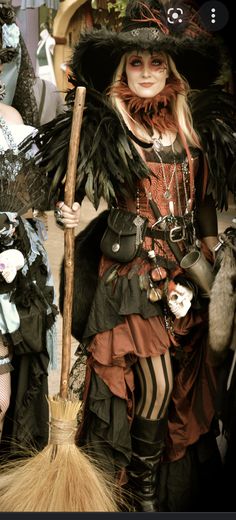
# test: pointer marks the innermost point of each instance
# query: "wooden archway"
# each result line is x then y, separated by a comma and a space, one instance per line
72, 17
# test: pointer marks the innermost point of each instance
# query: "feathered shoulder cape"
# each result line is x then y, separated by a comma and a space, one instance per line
108, 163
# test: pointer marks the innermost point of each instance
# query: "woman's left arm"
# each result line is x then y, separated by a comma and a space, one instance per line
207, 221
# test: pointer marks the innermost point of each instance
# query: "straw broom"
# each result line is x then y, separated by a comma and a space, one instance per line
60, 477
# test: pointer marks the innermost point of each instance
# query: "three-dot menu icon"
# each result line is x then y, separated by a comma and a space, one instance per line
214, 15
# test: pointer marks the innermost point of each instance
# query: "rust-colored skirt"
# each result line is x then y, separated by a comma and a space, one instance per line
124, 325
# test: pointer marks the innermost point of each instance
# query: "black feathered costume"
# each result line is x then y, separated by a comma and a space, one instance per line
109, 166
30, 345
27, 299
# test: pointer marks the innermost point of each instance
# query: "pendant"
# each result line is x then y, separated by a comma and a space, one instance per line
158, 274
154, 295
167, 194
171, 207
138, 222
112, 275
157, 145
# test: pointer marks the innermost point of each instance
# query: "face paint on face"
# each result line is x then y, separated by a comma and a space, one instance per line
146, 73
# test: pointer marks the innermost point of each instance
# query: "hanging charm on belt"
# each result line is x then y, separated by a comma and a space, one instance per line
154, 294
138, 222
157, 273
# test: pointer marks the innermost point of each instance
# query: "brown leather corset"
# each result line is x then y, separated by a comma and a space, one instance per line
168, 186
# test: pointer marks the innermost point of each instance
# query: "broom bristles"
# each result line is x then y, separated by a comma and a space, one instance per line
60, 478
67, 481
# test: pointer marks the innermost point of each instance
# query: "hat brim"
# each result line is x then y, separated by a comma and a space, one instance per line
98, 53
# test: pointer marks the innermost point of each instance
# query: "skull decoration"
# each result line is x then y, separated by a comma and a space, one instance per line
179, 300
10, 261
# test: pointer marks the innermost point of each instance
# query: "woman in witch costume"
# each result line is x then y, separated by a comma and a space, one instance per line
152, 147
27, 309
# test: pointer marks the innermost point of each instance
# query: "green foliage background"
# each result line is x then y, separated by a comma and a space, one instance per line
118, 6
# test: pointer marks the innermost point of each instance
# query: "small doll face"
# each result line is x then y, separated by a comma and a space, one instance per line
146, 73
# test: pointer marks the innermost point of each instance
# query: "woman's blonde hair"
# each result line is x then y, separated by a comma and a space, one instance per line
180, 107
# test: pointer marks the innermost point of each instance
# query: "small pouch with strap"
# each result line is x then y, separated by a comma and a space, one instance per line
124, 235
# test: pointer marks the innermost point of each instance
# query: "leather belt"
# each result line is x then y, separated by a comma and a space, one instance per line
172, 244
156, 233
176, 234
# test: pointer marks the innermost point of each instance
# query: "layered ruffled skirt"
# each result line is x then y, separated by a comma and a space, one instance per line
124, 325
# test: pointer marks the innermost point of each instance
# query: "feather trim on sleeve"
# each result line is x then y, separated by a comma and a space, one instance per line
107, 162
214, 119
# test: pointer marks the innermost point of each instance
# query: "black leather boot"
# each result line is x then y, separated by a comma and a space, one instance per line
148, 442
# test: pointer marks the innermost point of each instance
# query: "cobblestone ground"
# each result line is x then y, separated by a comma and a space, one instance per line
55, 249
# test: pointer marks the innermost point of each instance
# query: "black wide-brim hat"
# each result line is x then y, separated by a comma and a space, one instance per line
199, 56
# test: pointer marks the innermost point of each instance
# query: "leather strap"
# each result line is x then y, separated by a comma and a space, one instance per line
178, 254
143, 144
157, 233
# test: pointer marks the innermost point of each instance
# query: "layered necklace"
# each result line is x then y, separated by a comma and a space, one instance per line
167, 185
157, 146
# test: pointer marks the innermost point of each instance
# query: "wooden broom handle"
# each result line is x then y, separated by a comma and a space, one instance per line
69, 239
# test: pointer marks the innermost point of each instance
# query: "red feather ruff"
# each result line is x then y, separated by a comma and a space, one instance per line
155, 111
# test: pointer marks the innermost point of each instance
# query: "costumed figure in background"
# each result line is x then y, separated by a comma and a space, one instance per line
18, 74
156, 137
38, 100
27, 299
44, 53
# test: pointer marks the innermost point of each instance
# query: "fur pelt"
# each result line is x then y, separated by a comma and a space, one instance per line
86, 262
222, 305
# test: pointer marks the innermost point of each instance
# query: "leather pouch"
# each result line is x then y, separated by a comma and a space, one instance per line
124, 235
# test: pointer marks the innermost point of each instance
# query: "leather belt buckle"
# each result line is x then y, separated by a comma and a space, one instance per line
177, 234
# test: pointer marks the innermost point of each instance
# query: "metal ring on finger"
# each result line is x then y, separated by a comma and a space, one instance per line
59, 217
60, 222
58, 213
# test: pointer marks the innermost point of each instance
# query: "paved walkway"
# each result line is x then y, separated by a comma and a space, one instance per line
55, 248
